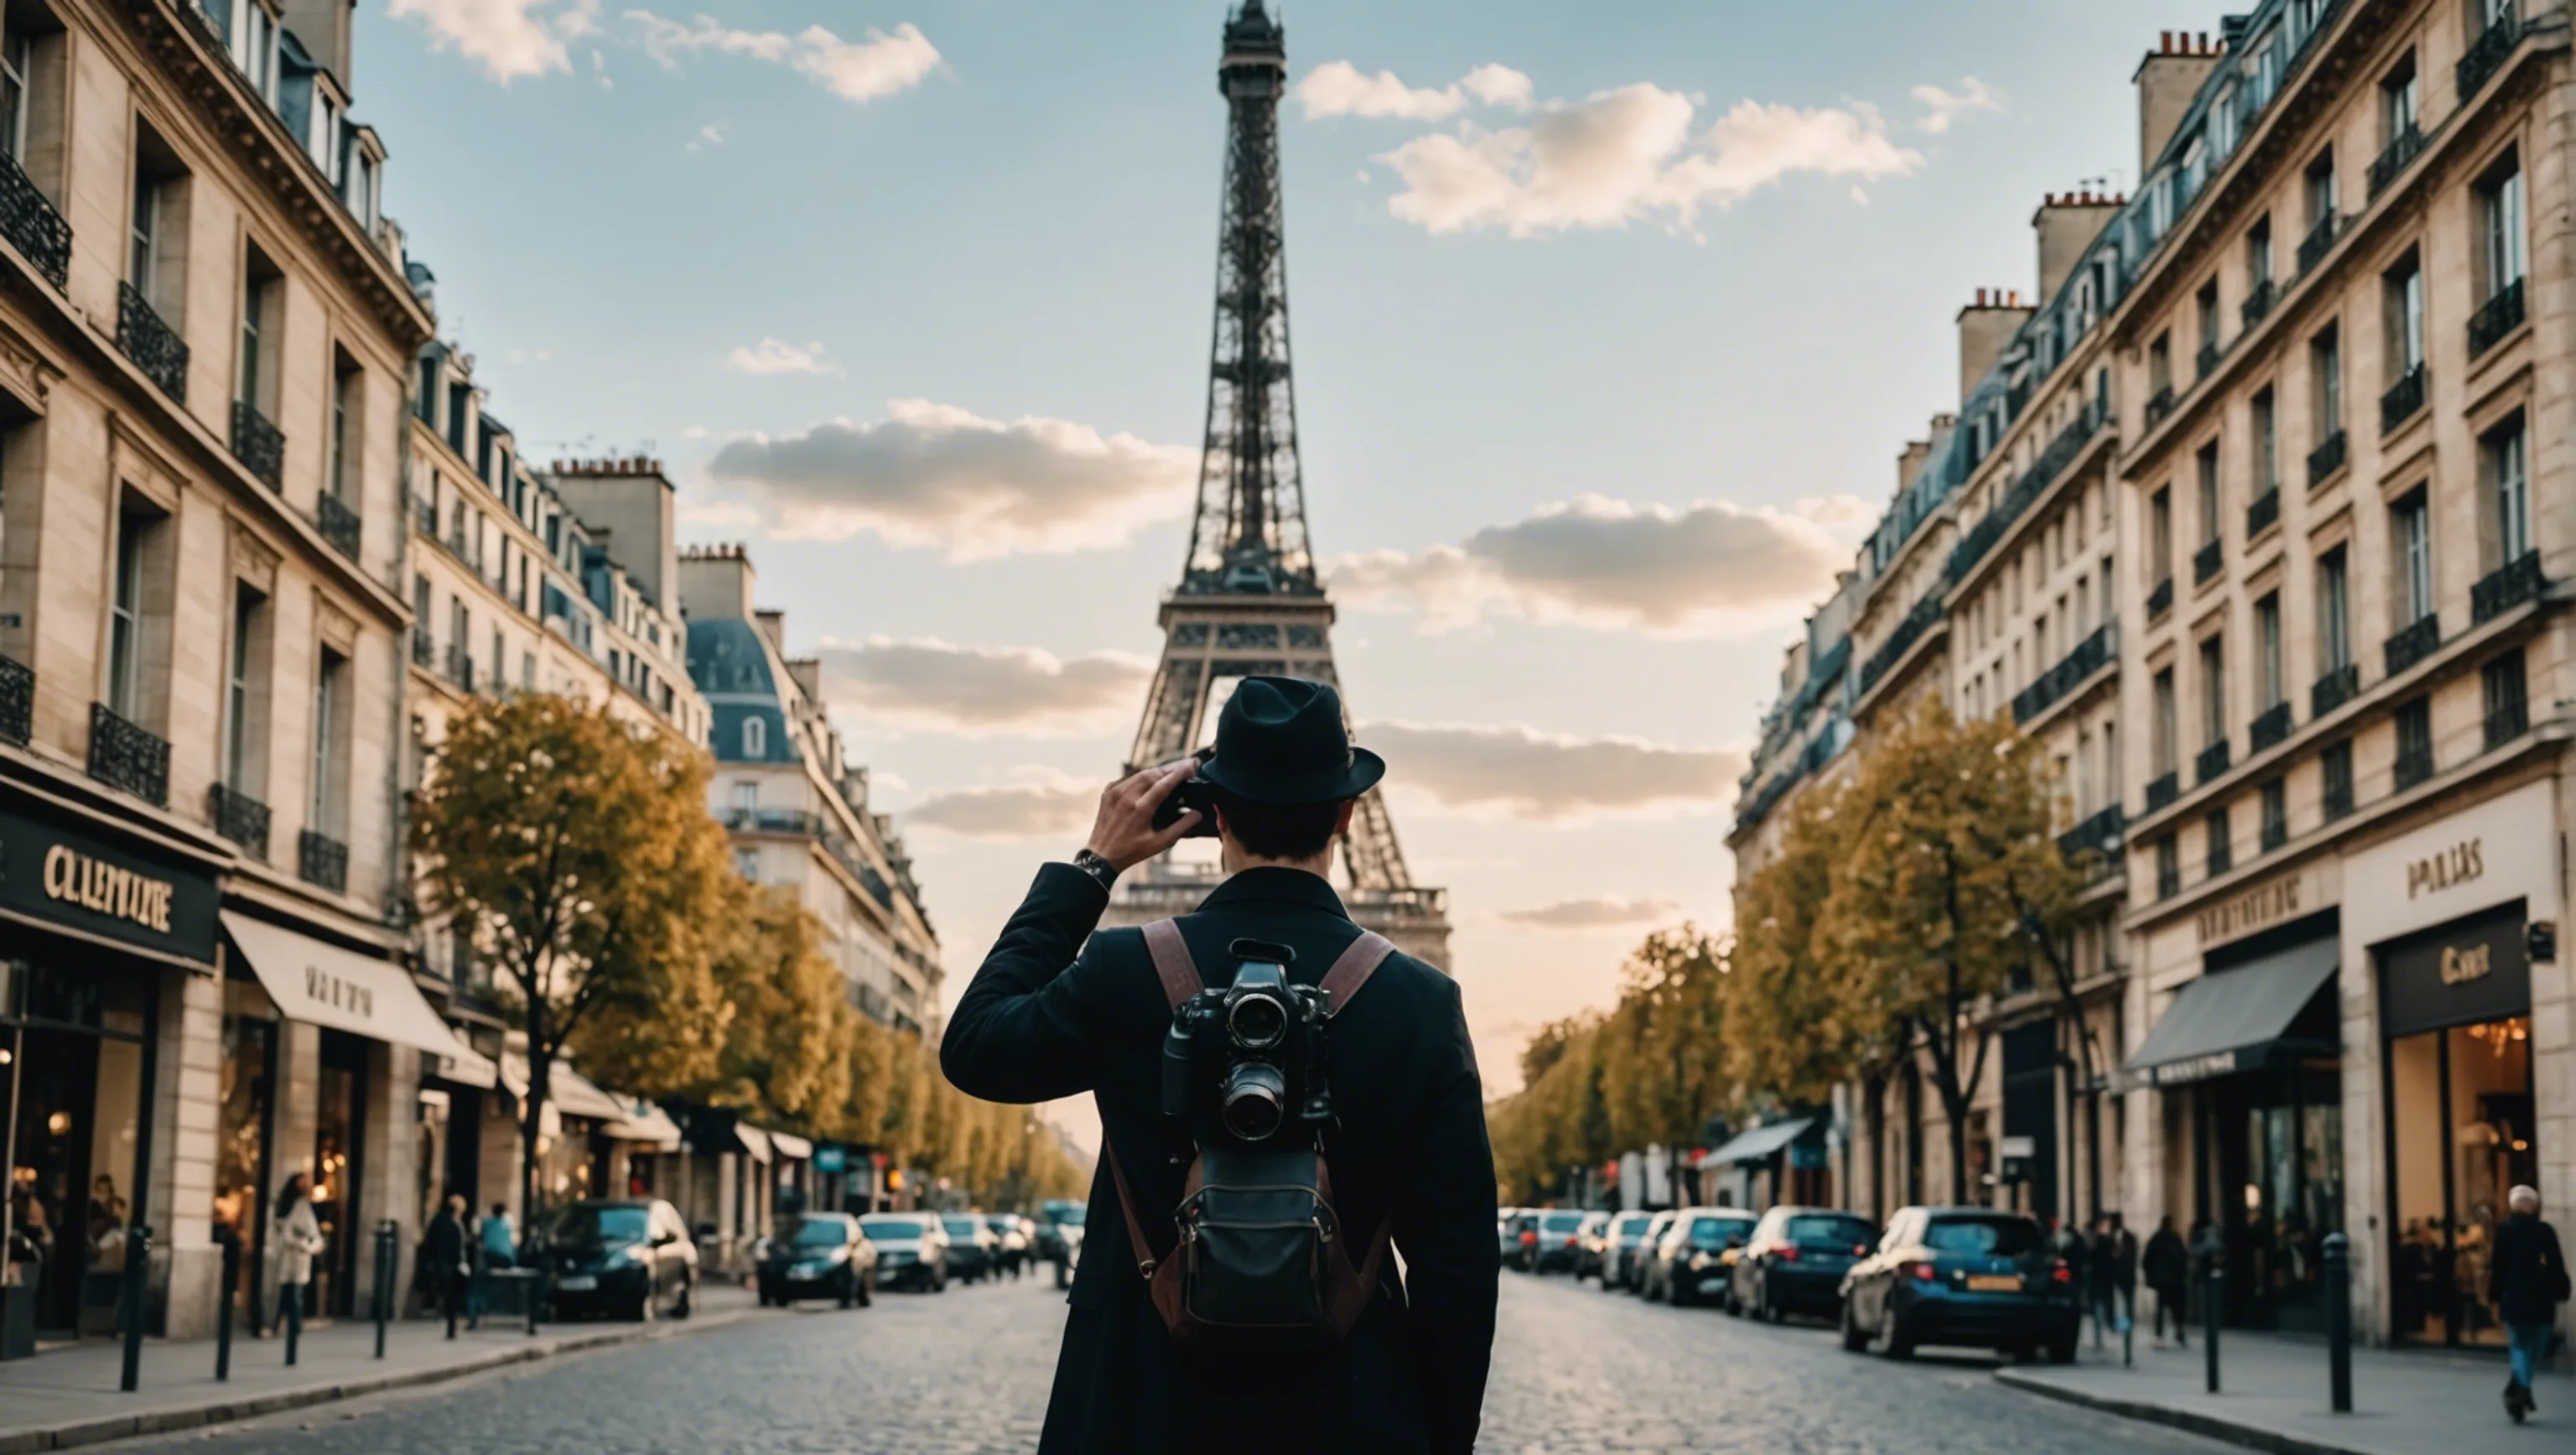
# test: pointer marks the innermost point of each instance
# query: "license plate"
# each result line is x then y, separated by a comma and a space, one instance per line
1994, 1283
577, 1283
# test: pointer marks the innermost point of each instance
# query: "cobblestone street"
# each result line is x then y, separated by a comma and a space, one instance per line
966, 1372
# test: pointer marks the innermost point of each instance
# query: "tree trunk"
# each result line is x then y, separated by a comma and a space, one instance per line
532, 1114
1874, 1087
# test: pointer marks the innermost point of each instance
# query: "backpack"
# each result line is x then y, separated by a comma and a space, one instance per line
1261, 1262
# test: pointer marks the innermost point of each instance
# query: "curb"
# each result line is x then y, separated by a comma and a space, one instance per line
2251, 1437
224, 1412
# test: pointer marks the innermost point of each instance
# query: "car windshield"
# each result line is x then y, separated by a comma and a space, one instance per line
1561, 1222
1004, 1224
1829, 1230
893, 1228
1071, 1217
820, 1233
1713, 1232
1634, 1225
1997, 1237
960, 1227
581, 1224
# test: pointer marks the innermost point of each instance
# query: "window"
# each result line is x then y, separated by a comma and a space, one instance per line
2318, 187
528, 671
2267, 463
241, 740
2400, 96
2160, 364
2206, 463
755, 737
2213, 691
2267, 648
358, 189
746, 795
2222, 843
2500, 227
2168, 867
2334, 611
2336, 764
330, 749
2502, 460
2404, 289
2258, 251
2165, 745
500, 661
2205, 305
143, 245
2160, 539
746, 862
17, 65
2276, 813
2507, 703
326, 138
2325, 365
2413, 537
259, 285
347, 403
125, 619
2414, 742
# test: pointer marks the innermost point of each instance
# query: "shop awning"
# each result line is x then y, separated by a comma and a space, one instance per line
755, 1142
2231, 1021
644, 1122
325, 985
792, 1147
568, 1092
1761, 1142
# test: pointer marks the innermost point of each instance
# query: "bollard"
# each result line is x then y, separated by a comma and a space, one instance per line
386, 1233
2213, 1306
536, 1297
224, 1306
293, 1317
138, 1272
2338, 1292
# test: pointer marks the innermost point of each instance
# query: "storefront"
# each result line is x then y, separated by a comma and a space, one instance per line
97, 923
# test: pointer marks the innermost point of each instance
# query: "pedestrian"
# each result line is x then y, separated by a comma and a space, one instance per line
2124, 1275
2167, 1266
444, 1268
500, 1247
2526, 1282
1049, 1015
2071, 1250
2101, 1278
296, 1236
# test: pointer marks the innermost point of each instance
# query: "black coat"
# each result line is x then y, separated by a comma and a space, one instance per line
1039, 1023
2168, 1262
442, 1248
2527, 1277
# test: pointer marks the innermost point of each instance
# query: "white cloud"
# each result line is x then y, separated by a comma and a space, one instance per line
1941, 108
708, 135
1591, 914
1041, 804
937, 476
1500, 86
509, 39
1338, 88
977, 691
1520, 773
1713, 569
880, 65
776, 356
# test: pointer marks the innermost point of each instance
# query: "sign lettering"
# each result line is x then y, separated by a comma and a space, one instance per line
2195, 1068
2457, 864
2256, 907
329, 989
72, 877
2464, 963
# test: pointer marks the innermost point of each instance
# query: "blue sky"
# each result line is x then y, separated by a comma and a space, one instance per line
1602, 360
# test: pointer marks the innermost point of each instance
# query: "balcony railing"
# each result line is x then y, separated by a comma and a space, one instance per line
33, 226
2264, 513
2334, 689
151, 344
2486, 54
2258, 303
2205, 562
2508, 718
2402, 400
424, 652
2209, 762
2163, 791
2506, 587
124, 756
258, 444
2159, 404
17, 701
1909, 631
239, 817
2099, 836
2160, 600
2392, 162
2268, 730
339, 524
2091, 655
2205, 363
323, 860
460, 666
2319, 241
2327, 458
2031, 484
2495, 318
2414, 764
2415, 643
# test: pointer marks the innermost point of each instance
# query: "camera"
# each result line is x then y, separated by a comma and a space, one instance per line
1251, 1052
1194, 792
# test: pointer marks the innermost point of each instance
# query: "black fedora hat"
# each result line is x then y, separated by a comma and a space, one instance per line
1281, 740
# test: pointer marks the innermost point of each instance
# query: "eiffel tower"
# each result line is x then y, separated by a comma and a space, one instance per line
1249, 603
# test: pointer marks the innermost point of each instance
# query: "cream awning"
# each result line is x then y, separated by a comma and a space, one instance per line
791, 1146
325, 985
568, 1092
644, 1122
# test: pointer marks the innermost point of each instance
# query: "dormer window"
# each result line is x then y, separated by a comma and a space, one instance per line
256, 50
755, 737
325, 142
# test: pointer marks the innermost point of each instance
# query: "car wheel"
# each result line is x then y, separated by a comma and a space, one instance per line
1891, 1343
1853, 1339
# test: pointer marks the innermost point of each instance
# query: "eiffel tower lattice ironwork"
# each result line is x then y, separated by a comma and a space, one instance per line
1249, 603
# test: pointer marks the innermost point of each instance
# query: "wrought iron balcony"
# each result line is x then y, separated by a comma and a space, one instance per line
2159, 404
2210, 762
2206, 561
2090, 655
2393, 160
2031, 484
2101, 837
1921, 619
2334, 689
2506, 587
2486, 55
424, 652
34, 228
2319, 241
153, 346
460, 665
2327, 458
2415, 643
2163, 791
124, 756
2402, 400
2264, 513
2206, 361
2160, 600
2498, 316
2258, 303
2268, 730
239, 817
323, 860
258, 444
2414, 764
17, 701
339, 524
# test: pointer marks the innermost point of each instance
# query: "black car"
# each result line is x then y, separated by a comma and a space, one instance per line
1559, 1248
820, 1255
974, 1254
627, 1256
1795, 1262
1962, 1275
1690, 1263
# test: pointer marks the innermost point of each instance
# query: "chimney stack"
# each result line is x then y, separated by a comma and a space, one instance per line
2066, 224
2167, 81
1986, 329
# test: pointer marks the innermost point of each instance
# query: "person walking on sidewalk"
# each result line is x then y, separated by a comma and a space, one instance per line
2527, 1281
2167, 1266
444, 1269
296, 1236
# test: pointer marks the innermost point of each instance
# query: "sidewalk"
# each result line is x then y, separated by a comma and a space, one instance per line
2274, 1397
69, 1398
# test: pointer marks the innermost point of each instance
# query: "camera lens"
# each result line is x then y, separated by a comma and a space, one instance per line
1256, 1100
1256, 1021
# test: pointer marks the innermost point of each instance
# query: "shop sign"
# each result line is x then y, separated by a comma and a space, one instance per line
2453, 866
55, 873
2269, 903
2194, 1068
830, 1159
2470, 970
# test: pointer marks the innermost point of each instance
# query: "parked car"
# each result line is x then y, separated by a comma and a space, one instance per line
1619, 1248
1688, 1264
1013, 1232
1507, 1232
1795, 1262
974, 1254
1633, 1271
819, 1255
1559, 1248
1046, 1238
625, 1256
1595, 1253
1961, 1275
912, 1250
1521, 1242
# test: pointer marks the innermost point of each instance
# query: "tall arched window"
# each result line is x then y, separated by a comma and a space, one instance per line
755, 737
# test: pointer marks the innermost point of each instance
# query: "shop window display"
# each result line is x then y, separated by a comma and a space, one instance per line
2463, 1135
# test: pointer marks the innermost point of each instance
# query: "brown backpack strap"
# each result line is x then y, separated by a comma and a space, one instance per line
1352, 1288
1353, 969
1172, 961
1162, 1274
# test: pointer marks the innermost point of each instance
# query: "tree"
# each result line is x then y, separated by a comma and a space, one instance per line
1923, 915
578, 854
1790, 1032
1662, 1049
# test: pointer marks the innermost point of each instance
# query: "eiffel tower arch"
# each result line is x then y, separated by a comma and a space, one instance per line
1249, 603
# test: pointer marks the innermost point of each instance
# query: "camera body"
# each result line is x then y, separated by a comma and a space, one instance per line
1194, 792
1250, 1053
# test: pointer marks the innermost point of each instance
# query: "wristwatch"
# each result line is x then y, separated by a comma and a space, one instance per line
1098, 868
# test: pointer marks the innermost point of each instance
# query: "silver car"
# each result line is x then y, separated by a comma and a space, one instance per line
912, 1250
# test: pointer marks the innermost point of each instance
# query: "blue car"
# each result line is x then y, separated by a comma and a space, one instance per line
1961, 1275
1795, 1262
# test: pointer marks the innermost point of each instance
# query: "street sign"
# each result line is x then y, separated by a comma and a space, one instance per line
2020, 1147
